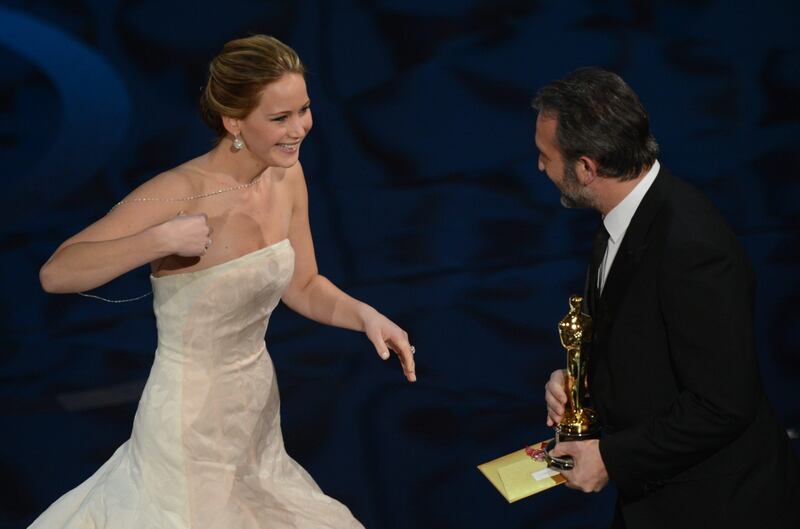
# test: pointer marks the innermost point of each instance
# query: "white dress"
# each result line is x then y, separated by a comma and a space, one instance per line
206, 451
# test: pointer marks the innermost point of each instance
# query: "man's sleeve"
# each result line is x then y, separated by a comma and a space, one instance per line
706, 306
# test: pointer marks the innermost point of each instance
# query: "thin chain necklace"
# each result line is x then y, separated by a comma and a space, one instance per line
192, 197
126, 300
168, 199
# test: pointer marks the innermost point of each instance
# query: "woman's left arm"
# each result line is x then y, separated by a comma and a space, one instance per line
315, 297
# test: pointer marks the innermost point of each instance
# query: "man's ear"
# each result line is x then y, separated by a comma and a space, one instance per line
586, 169
232, 125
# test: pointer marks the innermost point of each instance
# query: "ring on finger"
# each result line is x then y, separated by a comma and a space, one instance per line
413, 350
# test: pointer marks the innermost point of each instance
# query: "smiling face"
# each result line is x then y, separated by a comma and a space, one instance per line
551, 162
274, 129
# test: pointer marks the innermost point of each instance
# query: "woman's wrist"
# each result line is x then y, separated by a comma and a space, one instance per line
158, 240
364, 313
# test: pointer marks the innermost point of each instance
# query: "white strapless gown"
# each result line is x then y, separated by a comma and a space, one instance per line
206, 451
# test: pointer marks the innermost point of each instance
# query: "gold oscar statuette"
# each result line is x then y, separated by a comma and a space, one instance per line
579, 422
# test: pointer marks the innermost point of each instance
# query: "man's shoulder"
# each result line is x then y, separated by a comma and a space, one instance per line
691, 199
691, 226
691, 214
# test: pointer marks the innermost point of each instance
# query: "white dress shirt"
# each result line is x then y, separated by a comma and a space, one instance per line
618, 219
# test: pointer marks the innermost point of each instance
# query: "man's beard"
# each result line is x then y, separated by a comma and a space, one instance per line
573, 194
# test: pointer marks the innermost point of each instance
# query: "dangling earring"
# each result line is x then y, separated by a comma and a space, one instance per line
238, 143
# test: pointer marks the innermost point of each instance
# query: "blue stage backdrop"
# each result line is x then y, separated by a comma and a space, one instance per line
425, 201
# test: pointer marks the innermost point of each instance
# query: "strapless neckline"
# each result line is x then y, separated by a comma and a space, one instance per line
224, 264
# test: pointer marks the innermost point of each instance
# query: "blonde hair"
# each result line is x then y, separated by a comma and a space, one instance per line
240, 72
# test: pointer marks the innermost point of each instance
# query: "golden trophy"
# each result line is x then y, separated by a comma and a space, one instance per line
579, 422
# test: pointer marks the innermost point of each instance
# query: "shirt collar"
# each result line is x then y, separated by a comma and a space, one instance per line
618, 219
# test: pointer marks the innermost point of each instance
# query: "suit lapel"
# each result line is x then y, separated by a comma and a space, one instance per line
633, 246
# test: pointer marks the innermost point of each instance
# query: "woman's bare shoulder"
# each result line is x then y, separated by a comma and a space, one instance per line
179, 182
294, 176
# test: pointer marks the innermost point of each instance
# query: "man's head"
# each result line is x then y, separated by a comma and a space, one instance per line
592, 123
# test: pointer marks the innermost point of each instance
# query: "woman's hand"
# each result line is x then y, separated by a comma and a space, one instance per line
186, 235
385, 335
555, 397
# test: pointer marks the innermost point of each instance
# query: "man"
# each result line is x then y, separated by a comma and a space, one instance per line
688, 436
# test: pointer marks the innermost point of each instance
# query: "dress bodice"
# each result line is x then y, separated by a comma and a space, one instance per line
224, 308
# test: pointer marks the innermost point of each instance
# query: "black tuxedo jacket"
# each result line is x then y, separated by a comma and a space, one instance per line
689, 438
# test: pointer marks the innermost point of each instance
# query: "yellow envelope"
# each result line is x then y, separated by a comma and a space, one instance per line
518, 476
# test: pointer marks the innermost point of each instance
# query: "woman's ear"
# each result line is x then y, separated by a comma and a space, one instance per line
232, 125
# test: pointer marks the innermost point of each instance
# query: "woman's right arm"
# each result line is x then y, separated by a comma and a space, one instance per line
131, 235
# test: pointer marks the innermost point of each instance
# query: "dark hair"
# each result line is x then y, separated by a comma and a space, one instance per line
599, 116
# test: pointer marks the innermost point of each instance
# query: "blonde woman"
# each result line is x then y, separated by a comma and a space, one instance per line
227, 236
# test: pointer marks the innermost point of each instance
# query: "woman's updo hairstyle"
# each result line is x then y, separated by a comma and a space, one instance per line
240, 72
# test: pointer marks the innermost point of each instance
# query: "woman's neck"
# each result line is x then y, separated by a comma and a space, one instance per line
241, 166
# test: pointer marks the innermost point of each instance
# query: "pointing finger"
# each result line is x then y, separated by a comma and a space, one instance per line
403, 350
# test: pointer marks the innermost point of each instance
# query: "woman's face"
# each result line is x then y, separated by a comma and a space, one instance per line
274, 130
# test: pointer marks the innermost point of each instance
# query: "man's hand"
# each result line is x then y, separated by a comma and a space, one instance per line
589, 473
555, 397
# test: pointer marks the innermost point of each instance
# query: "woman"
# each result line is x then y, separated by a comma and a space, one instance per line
226, 236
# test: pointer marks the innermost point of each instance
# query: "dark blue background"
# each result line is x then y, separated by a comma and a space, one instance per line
425, 201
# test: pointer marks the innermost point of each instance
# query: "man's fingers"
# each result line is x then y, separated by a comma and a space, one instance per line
568, 474
553, 418
555, 398
556, 412
557, 393
555, 386
569, 482
553, 404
